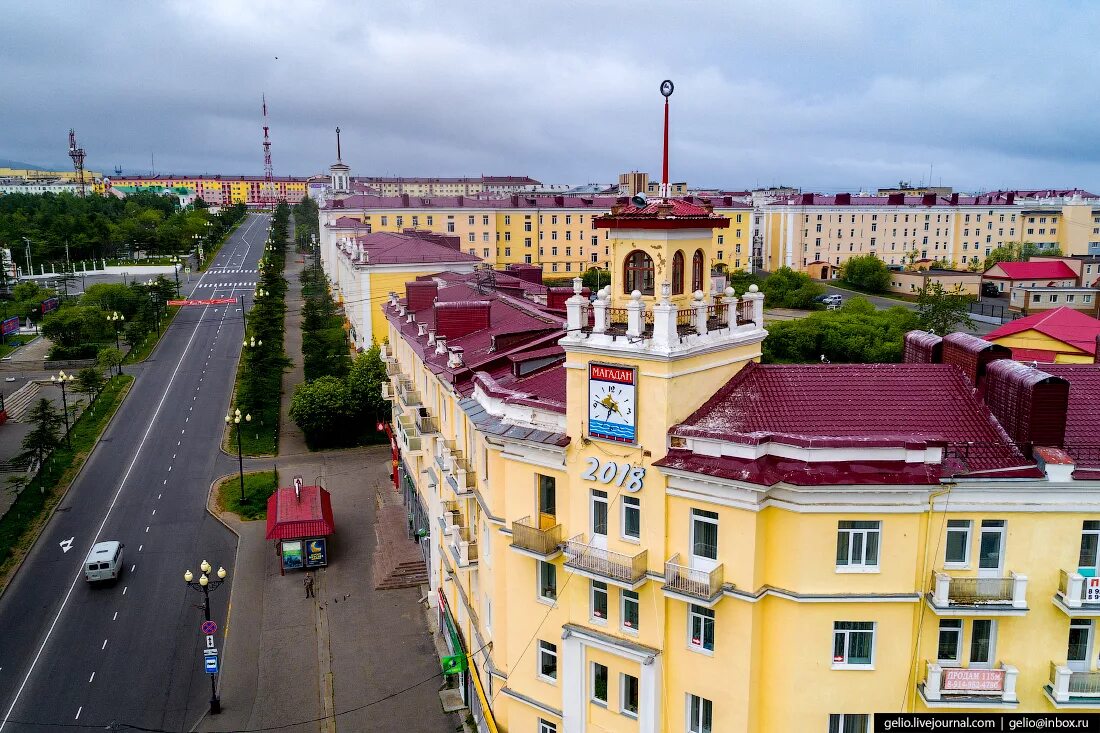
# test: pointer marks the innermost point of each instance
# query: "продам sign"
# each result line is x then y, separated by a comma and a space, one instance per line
973, 680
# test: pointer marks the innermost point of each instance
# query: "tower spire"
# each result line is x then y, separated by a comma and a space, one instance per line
338, 160
666, 91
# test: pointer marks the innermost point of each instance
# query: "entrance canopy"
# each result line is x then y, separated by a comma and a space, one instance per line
305, 514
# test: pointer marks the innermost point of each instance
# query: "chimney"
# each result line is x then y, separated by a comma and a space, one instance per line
431, 337
843, 199
559, 201
515, 200
922, 347
664, 210
1030, 404
556, 296
405, 200
460, 201
441, 344
458, 318
929, 199
1010, 198
422, 329
954, 199
895, 199
527, 273
454, 357
972, 354
807, 199
421, 294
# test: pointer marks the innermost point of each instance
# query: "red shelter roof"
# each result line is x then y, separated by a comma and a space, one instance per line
1039, 270
1064, 324
289, 517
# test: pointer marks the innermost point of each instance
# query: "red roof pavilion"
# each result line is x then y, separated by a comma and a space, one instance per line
289, 517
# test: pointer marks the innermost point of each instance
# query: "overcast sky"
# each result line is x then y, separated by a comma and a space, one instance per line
822, 95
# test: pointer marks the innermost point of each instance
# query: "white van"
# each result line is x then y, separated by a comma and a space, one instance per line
104, 561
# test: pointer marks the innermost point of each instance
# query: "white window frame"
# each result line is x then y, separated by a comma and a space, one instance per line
597, 496
701, 517
545, 726
841, 718
966, 532
703, 614
847, 633
593, 591
539, 566
959, 631
624, 599
622, 695
696, 725
859, 564
636, 504
543, 651
592, 684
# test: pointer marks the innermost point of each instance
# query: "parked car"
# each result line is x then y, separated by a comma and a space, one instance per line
989, 290
833, 301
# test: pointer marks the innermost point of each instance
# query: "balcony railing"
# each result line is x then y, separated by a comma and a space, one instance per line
409, 396
388, 392
460, 477
542, 536
1068, 685
1078, 591
426, 424
1008, 592
951, 685
392, 369
451, 518
385, 353
464, 547
690, 581
407, 433
603, 562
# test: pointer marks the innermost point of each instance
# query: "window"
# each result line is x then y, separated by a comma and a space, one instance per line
632, 517
485, 220
599, 600
701, 628
697, 271
548, 581
638, 273
857, 544
700, 715
507, 236
678, 273
599, 684
950, 643
1077, 648
547, 494
849, 722
991, 544
545, 726
958, 542
599, 512
853, 643
548, 660
981, 641
471, 237
704, 534
721, 239
630, 609
1090, 535
628, 695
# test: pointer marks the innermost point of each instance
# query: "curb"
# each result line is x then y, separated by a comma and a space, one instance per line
49, 517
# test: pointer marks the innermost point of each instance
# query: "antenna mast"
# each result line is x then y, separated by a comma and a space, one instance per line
77, 154
267, 195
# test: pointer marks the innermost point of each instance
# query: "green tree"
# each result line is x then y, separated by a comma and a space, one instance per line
76, 325
365, 380
45, 434
89, 381
322, 409
867, 273
595, 278
134, 333
108, 358
854, 333
786, 288
1017, 252
941, 310
740, 281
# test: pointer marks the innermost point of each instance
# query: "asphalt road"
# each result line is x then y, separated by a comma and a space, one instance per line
75, 655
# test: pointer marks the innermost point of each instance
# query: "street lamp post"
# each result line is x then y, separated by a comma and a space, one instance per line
156, 306
116, 319
205, 585
235, 419
176, 272
62, 378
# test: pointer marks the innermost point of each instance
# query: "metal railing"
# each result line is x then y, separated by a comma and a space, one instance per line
406, 429
426, 424
980, 590
542, 540
717, 312
392, 368
409, 396
388, 392
1064, 681
464, 546
745, 312
685, 317
600, 561
691, 581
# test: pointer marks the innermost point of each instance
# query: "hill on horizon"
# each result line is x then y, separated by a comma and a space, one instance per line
9, 163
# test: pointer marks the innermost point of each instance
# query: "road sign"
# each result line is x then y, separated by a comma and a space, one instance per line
209, 641
210, 660
209, 627
207, 301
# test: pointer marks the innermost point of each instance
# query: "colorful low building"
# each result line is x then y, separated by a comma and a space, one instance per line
911, 282
1061, 335
1008, 276
217, 190
633, 525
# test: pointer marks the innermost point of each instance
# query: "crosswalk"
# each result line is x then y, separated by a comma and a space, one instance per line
228, 285
230, 271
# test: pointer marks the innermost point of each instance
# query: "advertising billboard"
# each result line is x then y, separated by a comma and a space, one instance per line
50, 304
9, 325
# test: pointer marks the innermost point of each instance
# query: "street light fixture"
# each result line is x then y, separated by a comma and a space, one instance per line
62, 378
205, 585
116, 320
252, 342
235, 419
149, 285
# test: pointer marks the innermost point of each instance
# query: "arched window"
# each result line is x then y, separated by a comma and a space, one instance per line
638, 273
678, 273
697, 271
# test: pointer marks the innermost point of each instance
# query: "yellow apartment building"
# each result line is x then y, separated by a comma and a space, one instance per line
216, 189
630, 524
33, 174
460, 186
556, 232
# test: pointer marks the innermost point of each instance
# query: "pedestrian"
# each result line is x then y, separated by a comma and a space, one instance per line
309, 585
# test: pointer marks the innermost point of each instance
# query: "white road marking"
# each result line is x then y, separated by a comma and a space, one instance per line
133, 568
165, 482
92, 677
124, 589
78, 710
139, 547
104, 645
146, 530
110, 508
66, 545
115, 617
159, 495
154, 512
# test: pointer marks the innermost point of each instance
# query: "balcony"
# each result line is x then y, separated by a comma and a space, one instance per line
603, 564
425, 423
1003, 596
451, 517
407, 434
693, 584
1078, 596
408, 394
958, 687
388, 392
392, 369
540, 538
463, 547
1070, 689
385, 353
456, 470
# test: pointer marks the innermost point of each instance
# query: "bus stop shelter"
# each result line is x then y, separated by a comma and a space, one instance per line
299, 522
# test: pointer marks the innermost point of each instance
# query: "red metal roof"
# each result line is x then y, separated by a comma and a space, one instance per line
1039, 270
1064, 324
291, 518
661, 214
1083, 415
391, 248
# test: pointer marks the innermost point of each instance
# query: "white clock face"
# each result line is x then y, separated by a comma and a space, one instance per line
612, 409
666, 88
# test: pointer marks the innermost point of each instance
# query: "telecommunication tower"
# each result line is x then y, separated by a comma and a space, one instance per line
77, 154
267, 192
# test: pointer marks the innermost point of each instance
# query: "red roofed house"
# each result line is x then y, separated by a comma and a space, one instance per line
1062, 336
1032, 274
299, 519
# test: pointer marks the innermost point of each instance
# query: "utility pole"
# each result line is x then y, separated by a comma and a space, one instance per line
30, 270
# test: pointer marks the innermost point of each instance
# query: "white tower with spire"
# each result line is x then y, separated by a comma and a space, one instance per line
339, 173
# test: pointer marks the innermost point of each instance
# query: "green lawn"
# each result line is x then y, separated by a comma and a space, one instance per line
258, 486
22, 523
141, 351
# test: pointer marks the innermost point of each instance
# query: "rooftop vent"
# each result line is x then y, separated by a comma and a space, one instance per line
459, 318
972, 354
1029, 403
922, 347
421, 294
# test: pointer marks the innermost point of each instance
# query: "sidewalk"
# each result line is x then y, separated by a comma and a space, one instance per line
290, 659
